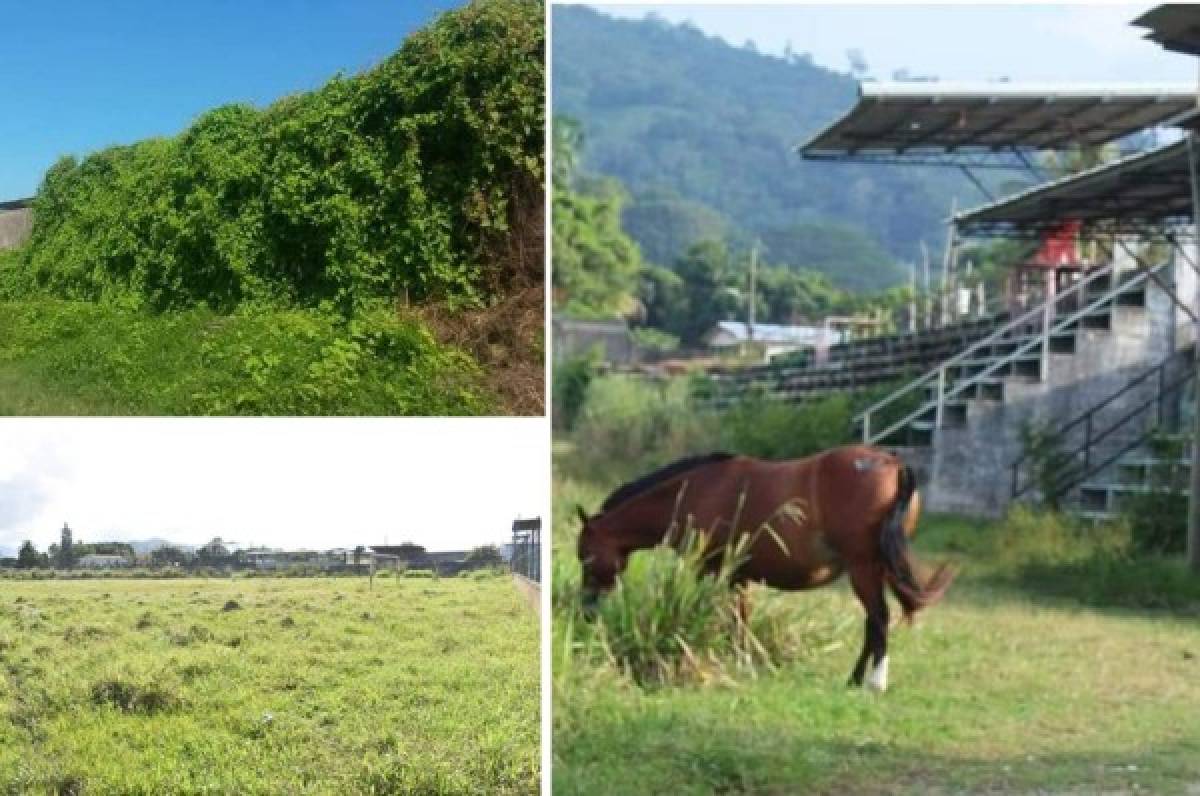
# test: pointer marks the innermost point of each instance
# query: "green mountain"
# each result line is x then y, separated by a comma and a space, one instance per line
703, 136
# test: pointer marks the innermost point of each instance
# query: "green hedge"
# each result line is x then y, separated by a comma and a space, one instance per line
402, 182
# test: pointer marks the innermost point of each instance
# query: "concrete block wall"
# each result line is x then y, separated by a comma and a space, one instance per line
16, 223
969, 468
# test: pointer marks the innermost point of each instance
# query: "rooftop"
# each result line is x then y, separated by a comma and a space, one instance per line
973, 123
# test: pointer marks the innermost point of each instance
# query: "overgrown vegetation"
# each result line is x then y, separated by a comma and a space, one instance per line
340, 231
311, 686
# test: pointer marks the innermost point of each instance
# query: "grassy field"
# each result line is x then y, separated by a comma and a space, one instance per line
1056, 664
312, 686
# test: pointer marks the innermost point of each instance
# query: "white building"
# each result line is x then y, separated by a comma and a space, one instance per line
773, 338
97, 561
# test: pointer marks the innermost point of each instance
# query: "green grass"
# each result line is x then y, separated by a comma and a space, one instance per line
1056, 663
313, 686
77, 358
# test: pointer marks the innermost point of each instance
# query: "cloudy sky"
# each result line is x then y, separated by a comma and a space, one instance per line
447, 485
953, 42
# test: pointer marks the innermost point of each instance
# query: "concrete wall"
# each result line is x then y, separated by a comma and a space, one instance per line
970, 467
16, 222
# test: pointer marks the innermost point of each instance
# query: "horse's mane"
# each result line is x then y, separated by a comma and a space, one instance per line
642, 484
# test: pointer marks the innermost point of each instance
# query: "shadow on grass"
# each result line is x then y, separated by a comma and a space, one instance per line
672, 754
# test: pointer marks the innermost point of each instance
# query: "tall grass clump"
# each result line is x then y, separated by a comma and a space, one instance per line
1053, 554
673, 618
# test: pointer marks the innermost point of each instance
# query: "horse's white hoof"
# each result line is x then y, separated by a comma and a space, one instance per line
877, 678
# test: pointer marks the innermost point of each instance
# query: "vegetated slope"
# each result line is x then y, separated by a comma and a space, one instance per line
416, 183
693, 126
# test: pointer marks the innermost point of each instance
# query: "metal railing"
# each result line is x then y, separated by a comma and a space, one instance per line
1065, 479
1043, 316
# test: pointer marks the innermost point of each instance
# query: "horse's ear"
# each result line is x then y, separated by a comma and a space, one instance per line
583, 517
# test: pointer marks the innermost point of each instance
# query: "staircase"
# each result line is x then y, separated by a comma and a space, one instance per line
1102, 452
960, 422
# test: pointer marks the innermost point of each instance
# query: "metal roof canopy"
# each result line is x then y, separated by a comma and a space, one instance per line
1175, 26
991, 124
1139, 195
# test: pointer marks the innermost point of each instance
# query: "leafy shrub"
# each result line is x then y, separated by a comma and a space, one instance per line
411, 179
779, 430
1158, 517
572, 377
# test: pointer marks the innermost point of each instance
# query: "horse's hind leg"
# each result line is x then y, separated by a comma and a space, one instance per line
867, 582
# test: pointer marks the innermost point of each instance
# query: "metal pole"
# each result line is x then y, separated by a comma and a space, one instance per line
1193, 540
753, 286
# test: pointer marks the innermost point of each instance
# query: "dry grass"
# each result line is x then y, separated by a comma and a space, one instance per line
508, 341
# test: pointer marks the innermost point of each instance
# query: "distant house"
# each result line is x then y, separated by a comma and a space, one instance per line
611, 339
267, 560
97, 561
772, 338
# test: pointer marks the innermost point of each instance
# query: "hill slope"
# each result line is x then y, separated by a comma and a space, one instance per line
684, 119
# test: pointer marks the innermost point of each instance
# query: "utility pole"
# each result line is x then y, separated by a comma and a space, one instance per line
912, 298
926, 304
753, 289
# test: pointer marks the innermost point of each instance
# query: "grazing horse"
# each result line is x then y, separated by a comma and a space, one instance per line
848, 509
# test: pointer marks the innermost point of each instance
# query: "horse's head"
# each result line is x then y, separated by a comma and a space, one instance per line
601, 559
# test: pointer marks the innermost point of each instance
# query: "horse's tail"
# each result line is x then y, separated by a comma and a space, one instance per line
897, 559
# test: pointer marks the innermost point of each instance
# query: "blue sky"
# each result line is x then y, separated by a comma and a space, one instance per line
963, 41
76, 77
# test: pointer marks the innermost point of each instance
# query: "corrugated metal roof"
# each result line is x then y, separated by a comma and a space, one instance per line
908, 120
776, 333
1150, 188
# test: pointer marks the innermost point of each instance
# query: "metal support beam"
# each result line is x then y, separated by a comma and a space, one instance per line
1193, 540
975, 181
1156, 279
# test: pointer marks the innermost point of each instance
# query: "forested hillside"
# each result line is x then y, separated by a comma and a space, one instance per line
703, 137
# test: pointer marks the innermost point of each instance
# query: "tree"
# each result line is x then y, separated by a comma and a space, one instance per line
168, 555
27, 556
65, 555
595, 263
485, 555
214, 552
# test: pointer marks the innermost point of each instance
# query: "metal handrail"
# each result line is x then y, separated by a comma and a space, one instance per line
938, 372
1048, 330
1069, 478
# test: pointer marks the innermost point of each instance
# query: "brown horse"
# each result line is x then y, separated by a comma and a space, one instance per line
848, 509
